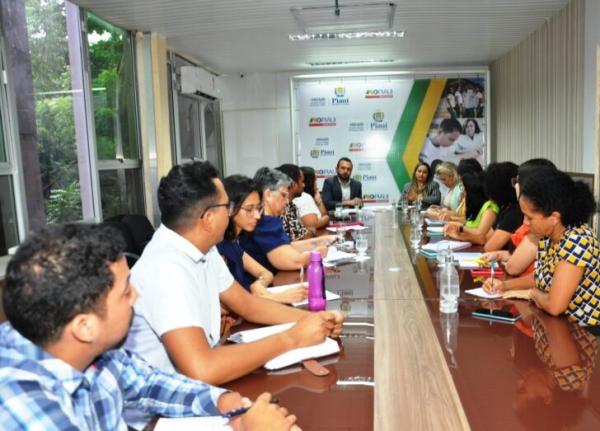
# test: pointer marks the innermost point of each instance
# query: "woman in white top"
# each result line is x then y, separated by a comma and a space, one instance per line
311, 210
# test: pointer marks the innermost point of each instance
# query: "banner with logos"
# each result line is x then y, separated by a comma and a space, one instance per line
386, 125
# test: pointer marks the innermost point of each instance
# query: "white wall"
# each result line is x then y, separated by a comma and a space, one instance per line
591, 42
256, 121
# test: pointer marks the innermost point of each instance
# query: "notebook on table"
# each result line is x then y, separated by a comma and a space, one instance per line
326, 348
444, 245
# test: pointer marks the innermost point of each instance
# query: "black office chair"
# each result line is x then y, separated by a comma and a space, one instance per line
137, 232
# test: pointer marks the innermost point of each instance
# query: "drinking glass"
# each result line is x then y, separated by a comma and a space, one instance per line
362, 244
338, 211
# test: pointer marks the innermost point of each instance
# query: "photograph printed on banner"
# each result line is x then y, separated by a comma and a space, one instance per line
458, 128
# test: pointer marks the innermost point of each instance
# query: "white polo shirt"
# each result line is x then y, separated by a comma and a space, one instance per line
306, 205
178, 287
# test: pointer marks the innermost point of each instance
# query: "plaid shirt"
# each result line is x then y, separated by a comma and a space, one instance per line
292, 224
41, 392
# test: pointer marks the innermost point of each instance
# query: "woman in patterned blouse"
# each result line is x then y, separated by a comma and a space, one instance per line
566, 278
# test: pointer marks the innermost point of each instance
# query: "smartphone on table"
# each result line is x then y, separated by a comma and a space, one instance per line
504, 315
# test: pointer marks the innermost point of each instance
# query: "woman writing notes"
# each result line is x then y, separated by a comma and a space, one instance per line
566, 278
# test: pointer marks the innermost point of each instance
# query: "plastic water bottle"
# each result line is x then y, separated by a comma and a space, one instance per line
394, 215
316, 282
449, 286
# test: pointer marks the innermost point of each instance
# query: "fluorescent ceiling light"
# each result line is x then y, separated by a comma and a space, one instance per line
346, 63
347, 35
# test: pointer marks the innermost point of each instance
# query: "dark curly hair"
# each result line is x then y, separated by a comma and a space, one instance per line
58, 273
238, 188
552, 190
498, 187
528, 167
185, 192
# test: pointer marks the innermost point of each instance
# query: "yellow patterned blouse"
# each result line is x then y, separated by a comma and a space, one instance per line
579, 247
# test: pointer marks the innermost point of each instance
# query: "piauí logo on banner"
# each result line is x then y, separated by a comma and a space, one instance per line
356, 126
357, 147
322, 142
365, 178
339, 98
318, 101
324, 173
321, 122
378, 123
315, 153
374, 198
379, 93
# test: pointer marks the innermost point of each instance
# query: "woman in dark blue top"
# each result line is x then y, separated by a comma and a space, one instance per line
269, 245
247, 212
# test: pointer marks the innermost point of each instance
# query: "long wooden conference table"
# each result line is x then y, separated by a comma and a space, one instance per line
405, 366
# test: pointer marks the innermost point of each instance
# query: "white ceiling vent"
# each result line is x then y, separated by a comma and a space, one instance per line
338, 18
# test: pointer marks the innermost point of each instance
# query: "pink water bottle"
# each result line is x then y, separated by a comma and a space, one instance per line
316, 282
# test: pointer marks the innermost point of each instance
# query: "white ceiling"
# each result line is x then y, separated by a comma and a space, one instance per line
252, 35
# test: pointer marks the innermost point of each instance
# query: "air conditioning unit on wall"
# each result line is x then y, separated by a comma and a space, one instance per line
197, 80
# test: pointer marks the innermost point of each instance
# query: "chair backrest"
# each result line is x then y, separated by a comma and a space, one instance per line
141, 230
137, 232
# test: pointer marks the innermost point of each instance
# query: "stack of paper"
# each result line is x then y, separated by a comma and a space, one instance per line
326, 348
434, 247
435, 230
335, 257
329, 296
345, 228
468, 260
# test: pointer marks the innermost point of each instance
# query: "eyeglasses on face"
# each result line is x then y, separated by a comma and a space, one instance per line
251, 209
229, 205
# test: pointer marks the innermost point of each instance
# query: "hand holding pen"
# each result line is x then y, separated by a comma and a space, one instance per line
263, 414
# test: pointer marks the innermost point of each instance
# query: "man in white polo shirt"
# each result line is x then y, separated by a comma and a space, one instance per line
181, 280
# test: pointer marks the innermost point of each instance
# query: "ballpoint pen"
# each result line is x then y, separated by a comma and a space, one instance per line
241, 410
492, 272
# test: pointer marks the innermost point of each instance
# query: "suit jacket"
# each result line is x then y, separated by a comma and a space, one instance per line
332, 191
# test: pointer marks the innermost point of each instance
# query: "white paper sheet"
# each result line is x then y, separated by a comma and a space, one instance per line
327, 347
334, 255
211, 423
444, 244
345, 228
329, 296
479, 292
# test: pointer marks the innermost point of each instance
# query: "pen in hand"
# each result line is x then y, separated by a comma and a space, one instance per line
241, 410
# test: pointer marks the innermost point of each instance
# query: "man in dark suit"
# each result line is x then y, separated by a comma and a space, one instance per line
341, 188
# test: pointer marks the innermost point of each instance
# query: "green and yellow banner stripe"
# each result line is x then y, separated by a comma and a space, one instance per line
412, 128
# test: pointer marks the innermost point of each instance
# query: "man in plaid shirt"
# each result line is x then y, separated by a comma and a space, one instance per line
69, 302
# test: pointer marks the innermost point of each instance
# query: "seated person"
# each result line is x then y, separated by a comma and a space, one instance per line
247, 210
521, 261
69, 301
292, 224
311, 208
183, 281
453, 202
566, 278
480, 213
422, 187
268, 244
342, 189
498, 189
